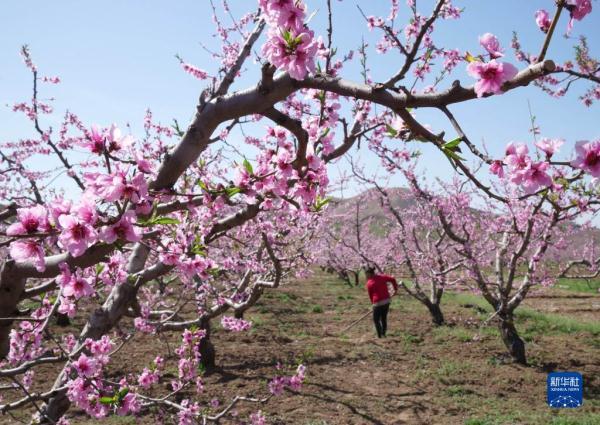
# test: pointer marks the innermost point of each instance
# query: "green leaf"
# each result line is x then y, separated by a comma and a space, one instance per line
470, 58
198, 248
99, 268
164, 220
232, 191
453, 144
287, 36
121, 394
157, 220
297, 40
203, 186
107, 400
321, 202
391, 130
248, 166
451, 154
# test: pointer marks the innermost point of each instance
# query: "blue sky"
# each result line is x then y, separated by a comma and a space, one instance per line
116, 58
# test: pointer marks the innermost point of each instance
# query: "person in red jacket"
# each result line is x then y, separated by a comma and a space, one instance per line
380, 297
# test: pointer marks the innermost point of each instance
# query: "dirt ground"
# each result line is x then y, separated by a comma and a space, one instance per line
419, 374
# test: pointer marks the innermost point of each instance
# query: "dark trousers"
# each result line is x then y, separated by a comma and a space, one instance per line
380, 319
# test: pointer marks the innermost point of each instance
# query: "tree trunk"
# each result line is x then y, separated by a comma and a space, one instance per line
356, 278
11, 288
515, 345
345, 277
437, 317
207, 349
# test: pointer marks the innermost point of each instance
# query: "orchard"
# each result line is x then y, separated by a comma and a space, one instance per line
327, 135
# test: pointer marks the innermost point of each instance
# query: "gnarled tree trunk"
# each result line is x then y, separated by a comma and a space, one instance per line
512, 340
437, 317
207, 349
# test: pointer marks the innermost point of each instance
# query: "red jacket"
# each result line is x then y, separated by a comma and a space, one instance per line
378, 289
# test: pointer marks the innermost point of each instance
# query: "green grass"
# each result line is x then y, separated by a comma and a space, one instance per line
443, 333
537, 323
452, 372
457, 391
579, 285
529, 321
257, 321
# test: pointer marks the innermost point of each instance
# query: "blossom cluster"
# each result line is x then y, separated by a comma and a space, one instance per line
290, 46
491, 75
278, 384
235, 325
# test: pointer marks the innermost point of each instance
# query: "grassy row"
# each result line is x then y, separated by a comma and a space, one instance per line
535, 321
579, 285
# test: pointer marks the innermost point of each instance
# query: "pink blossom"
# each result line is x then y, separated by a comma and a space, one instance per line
143, 164
188, 415
30, 220
517, 156
549, 146
58, 207
277, 385
291, 51
94, 140
129, 404
235, 325
535, 176
291, 16
67, 306
542, 19
28, 250
123, 229
86, 211
77, 234
147, 378
194, 71
491, 76
115, 140
453, 58
288, 14
51, 80
497, 168
258, 418
113, 187
374, 21
588, 157
28, 379
314, 162
85, 366
579, 8
100, 348
78, 287
490, 43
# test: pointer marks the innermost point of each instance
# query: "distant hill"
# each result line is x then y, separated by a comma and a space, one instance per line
401, 198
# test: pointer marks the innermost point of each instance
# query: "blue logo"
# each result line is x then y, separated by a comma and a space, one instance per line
565, 389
